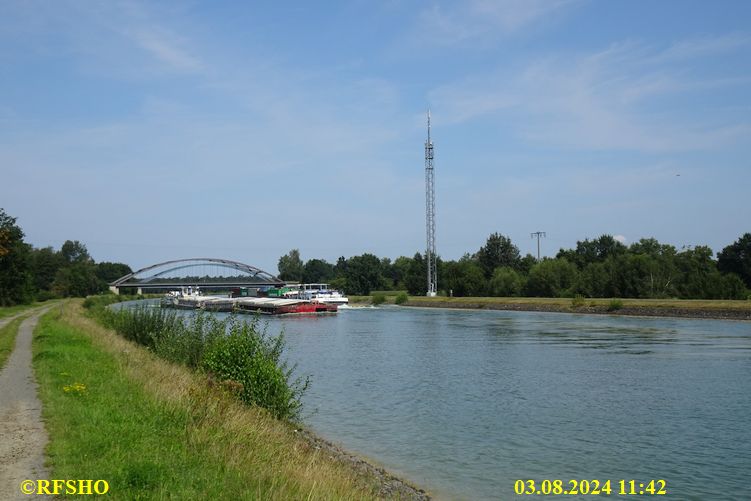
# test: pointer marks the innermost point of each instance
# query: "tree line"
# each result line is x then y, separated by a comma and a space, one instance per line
602, 267
28, 273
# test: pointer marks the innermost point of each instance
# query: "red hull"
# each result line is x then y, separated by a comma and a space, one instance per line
307, 308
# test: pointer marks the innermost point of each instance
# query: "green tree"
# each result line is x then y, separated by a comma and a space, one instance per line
109, 272
363, 274
594, 281
464, 278
526, 263
45, 263
506, 282
389, 273
592, 251
497, 251
733, 287
698, 277
15, 263
74, 252
642, 276
736, 258
651, 247
400, 269
552, 278
340, 268
291, 266
78, 280
415, 279
317, 271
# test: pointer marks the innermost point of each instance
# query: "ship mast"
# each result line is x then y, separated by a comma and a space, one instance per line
430, 252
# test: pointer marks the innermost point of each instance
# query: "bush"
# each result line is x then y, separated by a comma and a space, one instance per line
251, 360
403, 298
552, 278
378, 299
506, 282
236, 353
615, 304
577, 301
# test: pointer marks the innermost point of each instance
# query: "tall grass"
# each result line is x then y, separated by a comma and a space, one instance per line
240, 355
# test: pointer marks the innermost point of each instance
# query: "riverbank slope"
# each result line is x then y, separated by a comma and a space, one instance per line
686, 308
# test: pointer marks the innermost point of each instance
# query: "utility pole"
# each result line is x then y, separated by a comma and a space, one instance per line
538, 234
430, 215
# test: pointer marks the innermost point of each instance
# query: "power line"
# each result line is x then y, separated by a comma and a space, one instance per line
538, 234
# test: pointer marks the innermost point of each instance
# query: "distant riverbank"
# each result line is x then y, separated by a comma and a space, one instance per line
685, 308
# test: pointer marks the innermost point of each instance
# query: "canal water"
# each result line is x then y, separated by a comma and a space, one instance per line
465, 403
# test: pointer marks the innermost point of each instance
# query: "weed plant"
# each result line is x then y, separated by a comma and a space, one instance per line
238, 354
401, 298
615, 304
578, 301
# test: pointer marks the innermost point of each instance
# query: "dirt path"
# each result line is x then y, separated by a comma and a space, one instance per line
5, 321
22, 433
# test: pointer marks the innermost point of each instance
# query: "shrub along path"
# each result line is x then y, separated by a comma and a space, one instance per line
22, 433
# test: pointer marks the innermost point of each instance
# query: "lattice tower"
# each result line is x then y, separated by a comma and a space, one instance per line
430, 215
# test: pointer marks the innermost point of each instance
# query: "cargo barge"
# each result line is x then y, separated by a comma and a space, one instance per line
193, 300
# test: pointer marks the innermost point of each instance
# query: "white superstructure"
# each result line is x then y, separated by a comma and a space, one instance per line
322, 293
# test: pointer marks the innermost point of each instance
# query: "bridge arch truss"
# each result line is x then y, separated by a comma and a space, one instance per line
205, 272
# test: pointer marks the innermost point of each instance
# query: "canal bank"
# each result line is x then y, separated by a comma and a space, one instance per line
678, 308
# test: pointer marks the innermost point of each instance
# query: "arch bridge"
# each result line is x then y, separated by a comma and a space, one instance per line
204, 272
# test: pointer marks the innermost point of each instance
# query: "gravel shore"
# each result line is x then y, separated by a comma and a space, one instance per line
645, 311
390, 487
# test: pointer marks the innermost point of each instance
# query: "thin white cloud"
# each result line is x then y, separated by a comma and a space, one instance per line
480, 20
115, 38
165, 48
603, 100
702, 47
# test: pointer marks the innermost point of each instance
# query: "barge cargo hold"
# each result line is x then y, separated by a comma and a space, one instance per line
263, 305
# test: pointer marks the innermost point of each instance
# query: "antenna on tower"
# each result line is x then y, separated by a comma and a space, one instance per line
430, 215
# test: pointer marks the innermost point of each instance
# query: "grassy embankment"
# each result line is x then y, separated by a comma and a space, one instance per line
156, 430
701, 307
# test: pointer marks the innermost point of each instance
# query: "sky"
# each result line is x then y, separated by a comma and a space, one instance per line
240, 130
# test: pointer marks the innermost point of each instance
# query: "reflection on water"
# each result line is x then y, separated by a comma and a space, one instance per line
466, 402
